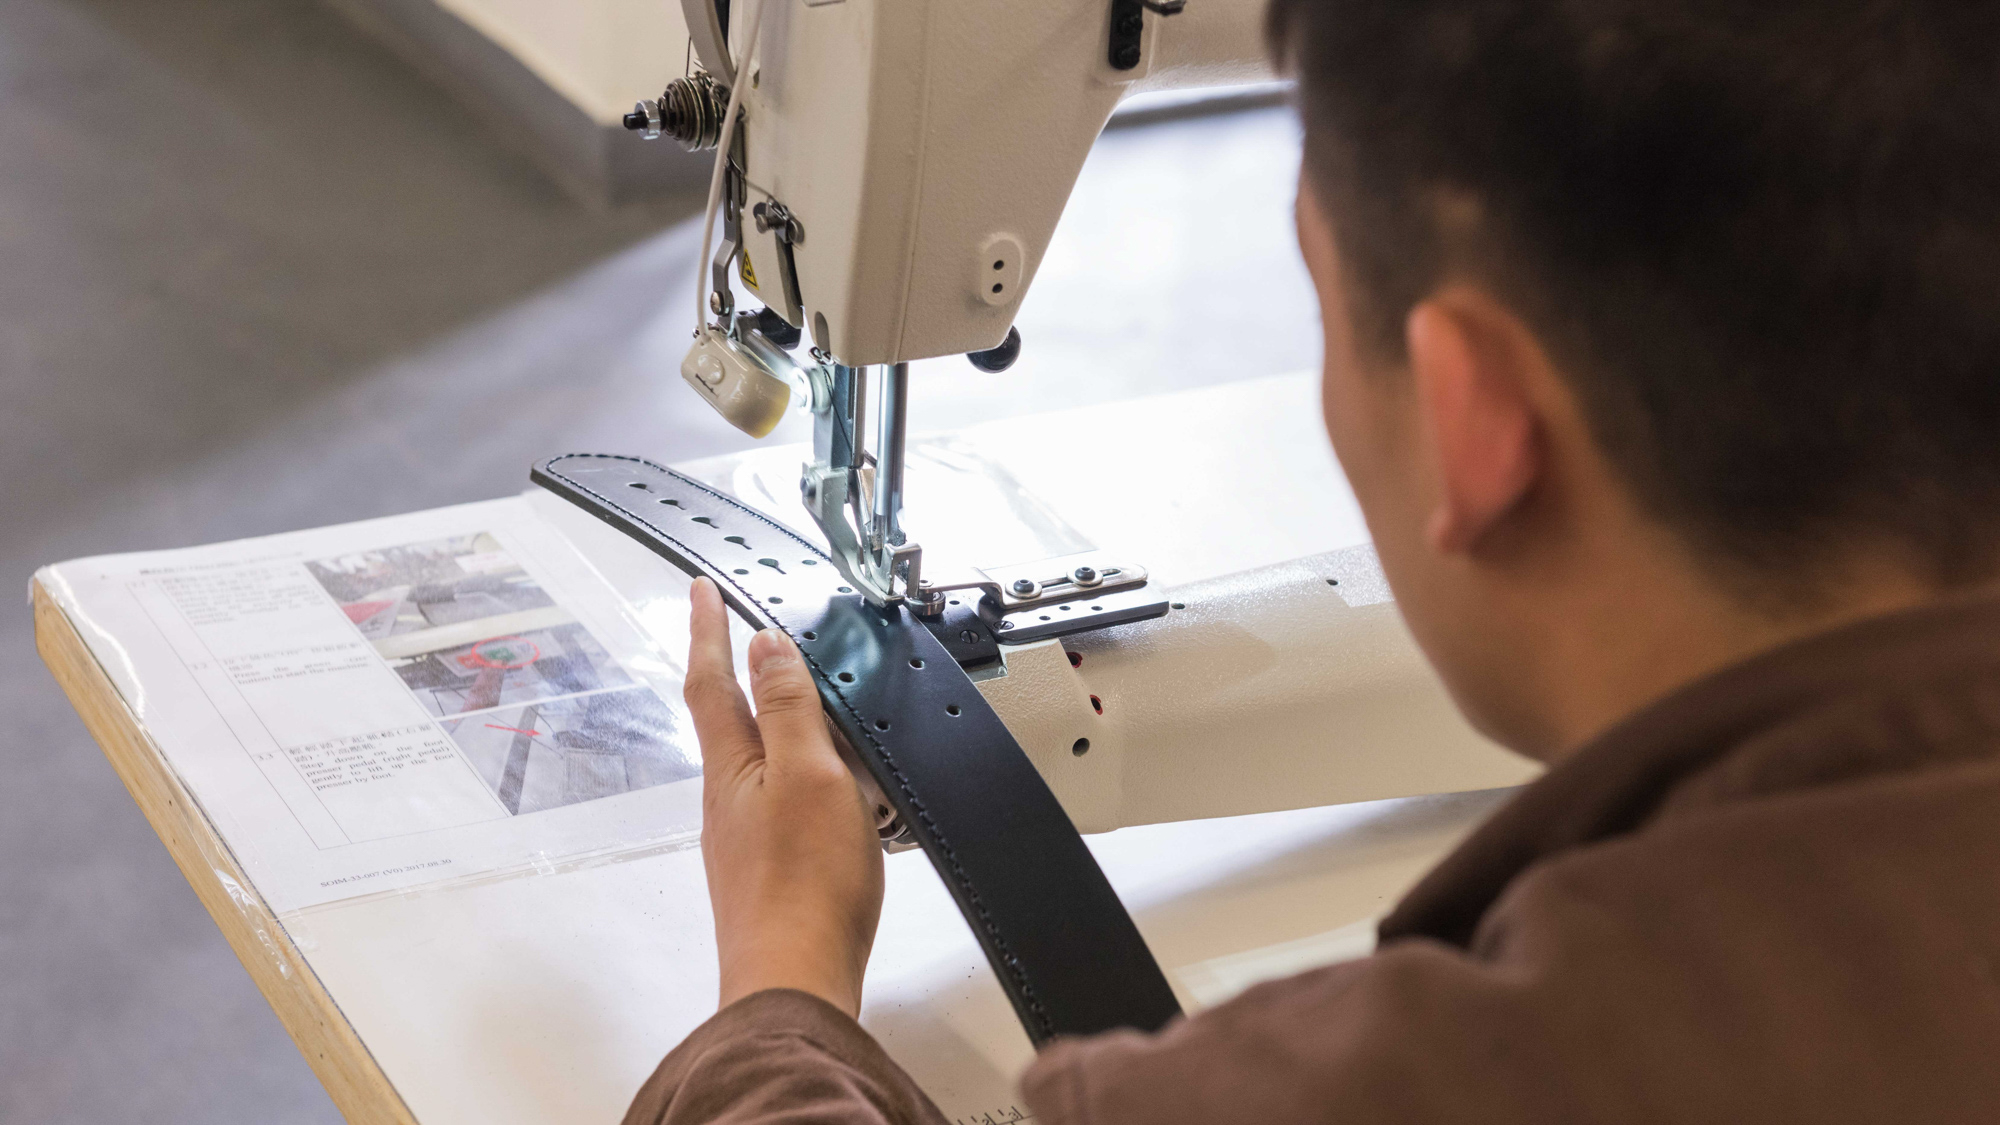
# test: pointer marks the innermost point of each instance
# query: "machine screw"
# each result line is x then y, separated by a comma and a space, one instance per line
715, 303
1085, 576
1024, 587
775, 216
969, 636
1006, 625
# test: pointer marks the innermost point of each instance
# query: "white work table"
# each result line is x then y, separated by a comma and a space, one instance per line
549, 995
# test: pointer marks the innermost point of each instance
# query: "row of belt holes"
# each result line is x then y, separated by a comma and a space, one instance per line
736, 539
951, 709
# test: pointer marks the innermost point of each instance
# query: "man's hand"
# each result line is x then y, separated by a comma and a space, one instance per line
794, 865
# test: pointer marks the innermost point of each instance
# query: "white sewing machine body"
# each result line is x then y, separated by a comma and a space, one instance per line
927, 150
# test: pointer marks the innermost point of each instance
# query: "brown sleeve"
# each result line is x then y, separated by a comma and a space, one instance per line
780, 1056
1416, 1033
1326, 1046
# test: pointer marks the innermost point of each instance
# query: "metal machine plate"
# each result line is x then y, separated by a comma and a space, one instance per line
1063, 618
1060, 942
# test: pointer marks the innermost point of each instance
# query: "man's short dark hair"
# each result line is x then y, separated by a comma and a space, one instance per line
1762, 237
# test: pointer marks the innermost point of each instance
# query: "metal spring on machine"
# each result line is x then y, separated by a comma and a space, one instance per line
690, 111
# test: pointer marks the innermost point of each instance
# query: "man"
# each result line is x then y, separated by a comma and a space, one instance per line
1663, 353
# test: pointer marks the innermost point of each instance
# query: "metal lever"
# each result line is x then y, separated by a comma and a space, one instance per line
885, 528
858, 505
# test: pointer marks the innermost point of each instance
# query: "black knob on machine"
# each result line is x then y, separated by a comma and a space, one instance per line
999, 358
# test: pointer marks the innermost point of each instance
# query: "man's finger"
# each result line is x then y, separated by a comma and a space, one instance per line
788, 705
721, 715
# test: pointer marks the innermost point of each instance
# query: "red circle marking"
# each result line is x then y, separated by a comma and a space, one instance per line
478, 658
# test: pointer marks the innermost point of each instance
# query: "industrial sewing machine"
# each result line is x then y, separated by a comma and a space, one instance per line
888, 176
896, 171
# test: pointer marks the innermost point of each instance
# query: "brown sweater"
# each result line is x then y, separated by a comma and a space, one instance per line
1773, 896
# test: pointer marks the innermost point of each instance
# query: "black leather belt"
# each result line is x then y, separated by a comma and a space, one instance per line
1061, 943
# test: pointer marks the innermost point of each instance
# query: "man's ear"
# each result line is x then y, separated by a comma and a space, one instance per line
1470, 361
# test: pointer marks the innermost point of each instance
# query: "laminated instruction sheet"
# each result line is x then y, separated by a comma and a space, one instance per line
368, 707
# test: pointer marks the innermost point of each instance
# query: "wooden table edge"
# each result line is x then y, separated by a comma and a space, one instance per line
354, 1080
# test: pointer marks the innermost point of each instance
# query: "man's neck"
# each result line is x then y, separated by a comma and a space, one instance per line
1618, 646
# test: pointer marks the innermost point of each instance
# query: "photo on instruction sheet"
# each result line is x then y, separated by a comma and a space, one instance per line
510, 668
421, 587
465, 626
581, 748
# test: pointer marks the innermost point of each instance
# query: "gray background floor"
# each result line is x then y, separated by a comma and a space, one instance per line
256, 275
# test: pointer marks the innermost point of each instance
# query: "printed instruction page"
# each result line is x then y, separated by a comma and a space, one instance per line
367, 707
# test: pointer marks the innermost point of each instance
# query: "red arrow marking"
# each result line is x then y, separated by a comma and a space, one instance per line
516, 730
